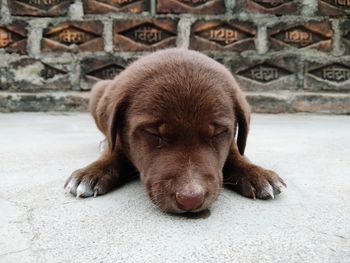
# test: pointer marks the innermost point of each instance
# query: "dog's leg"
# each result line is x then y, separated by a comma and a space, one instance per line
113, 167
249, 179
101, 176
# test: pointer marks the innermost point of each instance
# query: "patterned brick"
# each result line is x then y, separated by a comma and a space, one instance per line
144, 34
276, 7
268, 102
73, 36
322, 103
13, 37
32, 75
95, 69
328, 77
222, 35
334, 7
265, 75
115, 6
72, 101
39, 7
191, 6
310, 35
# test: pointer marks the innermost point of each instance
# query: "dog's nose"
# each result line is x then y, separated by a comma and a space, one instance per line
189, 200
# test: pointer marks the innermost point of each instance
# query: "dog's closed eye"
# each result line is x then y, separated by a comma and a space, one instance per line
151, 131
220, 131
155, 135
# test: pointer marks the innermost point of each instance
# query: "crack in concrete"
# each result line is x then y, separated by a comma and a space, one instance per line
323, 233
312, 230
27, 218
35, 233
14, 252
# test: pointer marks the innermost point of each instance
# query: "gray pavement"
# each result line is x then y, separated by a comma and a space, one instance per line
39, 222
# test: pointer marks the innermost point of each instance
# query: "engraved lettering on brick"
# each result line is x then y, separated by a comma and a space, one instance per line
50, 72
147, 34
342, 4
72, 35
299, 37
270, 4
41, 4
224, 35
5, 38
264, 73
44, 2
119, 3
335, 72
112, 6
194, 3
107, 72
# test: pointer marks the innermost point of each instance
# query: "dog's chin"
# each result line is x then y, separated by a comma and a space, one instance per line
174, 209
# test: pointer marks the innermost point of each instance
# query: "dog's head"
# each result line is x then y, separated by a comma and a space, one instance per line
176, 123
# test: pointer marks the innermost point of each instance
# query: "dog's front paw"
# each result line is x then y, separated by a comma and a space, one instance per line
259, 183
88, 182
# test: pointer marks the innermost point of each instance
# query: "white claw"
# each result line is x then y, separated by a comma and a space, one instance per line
72, 186
269, 191
95, 193
84, 190
280, 187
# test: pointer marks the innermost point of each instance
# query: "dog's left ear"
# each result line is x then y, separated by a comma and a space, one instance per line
117, 119
242, 112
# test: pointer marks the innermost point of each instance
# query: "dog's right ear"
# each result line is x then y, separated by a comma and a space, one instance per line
117, 119
242, 111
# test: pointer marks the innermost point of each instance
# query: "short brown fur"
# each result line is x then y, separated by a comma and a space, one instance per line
172, 117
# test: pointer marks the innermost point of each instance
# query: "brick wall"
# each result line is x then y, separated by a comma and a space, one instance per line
289, 56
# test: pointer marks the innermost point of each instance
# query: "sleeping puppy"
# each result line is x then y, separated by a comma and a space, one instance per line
178, 119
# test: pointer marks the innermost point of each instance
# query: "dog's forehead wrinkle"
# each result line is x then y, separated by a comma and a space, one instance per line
183, 95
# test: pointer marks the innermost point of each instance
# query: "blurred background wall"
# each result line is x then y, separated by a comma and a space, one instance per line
289, 56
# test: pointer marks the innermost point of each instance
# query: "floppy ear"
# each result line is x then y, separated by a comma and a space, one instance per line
116, 120
242, 111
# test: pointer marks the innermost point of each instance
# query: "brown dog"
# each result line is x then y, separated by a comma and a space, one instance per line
172, 117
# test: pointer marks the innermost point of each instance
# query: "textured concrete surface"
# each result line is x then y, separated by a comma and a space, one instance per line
310, 222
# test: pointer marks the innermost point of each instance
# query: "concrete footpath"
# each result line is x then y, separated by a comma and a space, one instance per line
39, 222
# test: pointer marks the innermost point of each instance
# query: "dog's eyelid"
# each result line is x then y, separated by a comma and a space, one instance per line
152, 128
155, 133
222, 131
152, 132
